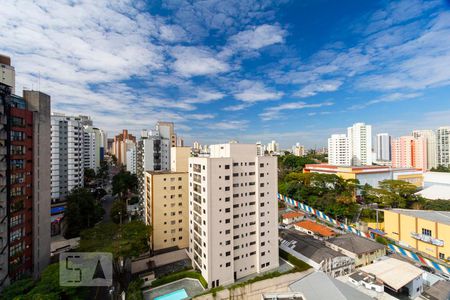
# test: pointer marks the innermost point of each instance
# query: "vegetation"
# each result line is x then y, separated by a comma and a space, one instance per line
89, 175
441, 168
83, 211
124, 183
123, 241
134, 290
381, 240
395, 194
326, 192
298, 264
118, 211
443, 205
46, 287
179, 275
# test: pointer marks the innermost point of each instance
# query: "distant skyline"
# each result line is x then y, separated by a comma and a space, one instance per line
247, 70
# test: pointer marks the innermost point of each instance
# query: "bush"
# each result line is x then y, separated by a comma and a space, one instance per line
381, 240
299, 264
134, 290
180, 275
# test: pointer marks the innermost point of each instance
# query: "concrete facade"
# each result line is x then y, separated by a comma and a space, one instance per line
233, 220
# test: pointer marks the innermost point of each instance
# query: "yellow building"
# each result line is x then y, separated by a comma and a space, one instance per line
427, 231
166, 203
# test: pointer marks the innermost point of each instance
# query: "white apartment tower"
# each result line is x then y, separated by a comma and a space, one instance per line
7, 73
339, 150
360, 144
273, 146
67, 166
431, 141
443, 146
233, 220
131, 158
383, 147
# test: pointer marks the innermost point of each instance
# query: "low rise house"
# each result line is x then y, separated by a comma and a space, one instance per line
438, 291
368, 281
292, 217
362, 250
400, 277
315, 229
315, 253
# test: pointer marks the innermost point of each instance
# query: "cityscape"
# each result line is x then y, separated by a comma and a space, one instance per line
211, 149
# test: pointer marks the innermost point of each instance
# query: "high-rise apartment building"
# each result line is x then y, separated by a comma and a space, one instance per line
409, 152
339, 150
298, 150
273, 147
360, 144
94, 143
131, 158
67, 162
7, 73
120, 146
232, 213
431, 141
383, 147
167, 203
443, 146
154, 150
260, 149
24, 183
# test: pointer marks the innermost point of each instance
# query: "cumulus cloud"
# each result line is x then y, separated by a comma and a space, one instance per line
318, 87
272, 113
194, 61
258, 37
253, 91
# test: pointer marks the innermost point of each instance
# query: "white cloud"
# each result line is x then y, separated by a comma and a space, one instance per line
258, 37
194, 61
205, 96
394, 97
237, 107
253, 91
318, 87
230, 125
272, 113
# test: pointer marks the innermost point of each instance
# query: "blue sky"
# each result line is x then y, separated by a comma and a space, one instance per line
294, 71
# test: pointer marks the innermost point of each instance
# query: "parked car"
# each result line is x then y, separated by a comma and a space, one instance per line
428, 269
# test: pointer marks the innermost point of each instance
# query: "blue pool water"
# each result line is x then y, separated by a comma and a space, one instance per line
176, 295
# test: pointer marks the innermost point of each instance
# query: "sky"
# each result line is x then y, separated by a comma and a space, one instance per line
247, 70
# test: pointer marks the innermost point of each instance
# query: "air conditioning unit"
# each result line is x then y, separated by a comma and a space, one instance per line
21, 180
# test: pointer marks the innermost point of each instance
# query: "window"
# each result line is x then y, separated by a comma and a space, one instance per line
426, 232
441, 255
227, 167
227, 264
261, 165
228, 231
261, 175
227, 177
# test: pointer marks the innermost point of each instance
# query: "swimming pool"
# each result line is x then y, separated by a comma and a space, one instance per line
175, 295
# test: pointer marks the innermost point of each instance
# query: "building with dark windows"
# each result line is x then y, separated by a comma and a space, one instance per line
24, 184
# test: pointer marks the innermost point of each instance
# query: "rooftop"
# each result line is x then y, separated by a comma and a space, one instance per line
316, 228
439, 291
355, 169
292, 214
431, 215
393, 272
355, 244
308, 246
436, 191
318, 286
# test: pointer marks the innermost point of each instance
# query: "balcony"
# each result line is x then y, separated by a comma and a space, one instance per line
197, 168
197, 219
198, 229
197, 209
197, 178
197, 239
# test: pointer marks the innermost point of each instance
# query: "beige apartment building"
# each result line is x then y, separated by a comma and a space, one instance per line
166, 203
233, 214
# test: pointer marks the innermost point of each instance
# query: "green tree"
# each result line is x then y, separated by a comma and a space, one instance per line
89, 175
18, 288
134, 290
82, 212
123, 241
123, 183
441, 168
118, 211
45, 288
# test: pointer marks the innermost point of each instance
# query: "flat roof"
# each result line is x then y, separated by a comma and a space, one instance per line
435, 192
439, 291
431, 215
393, 272
357, 169
164, 172
355, 244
